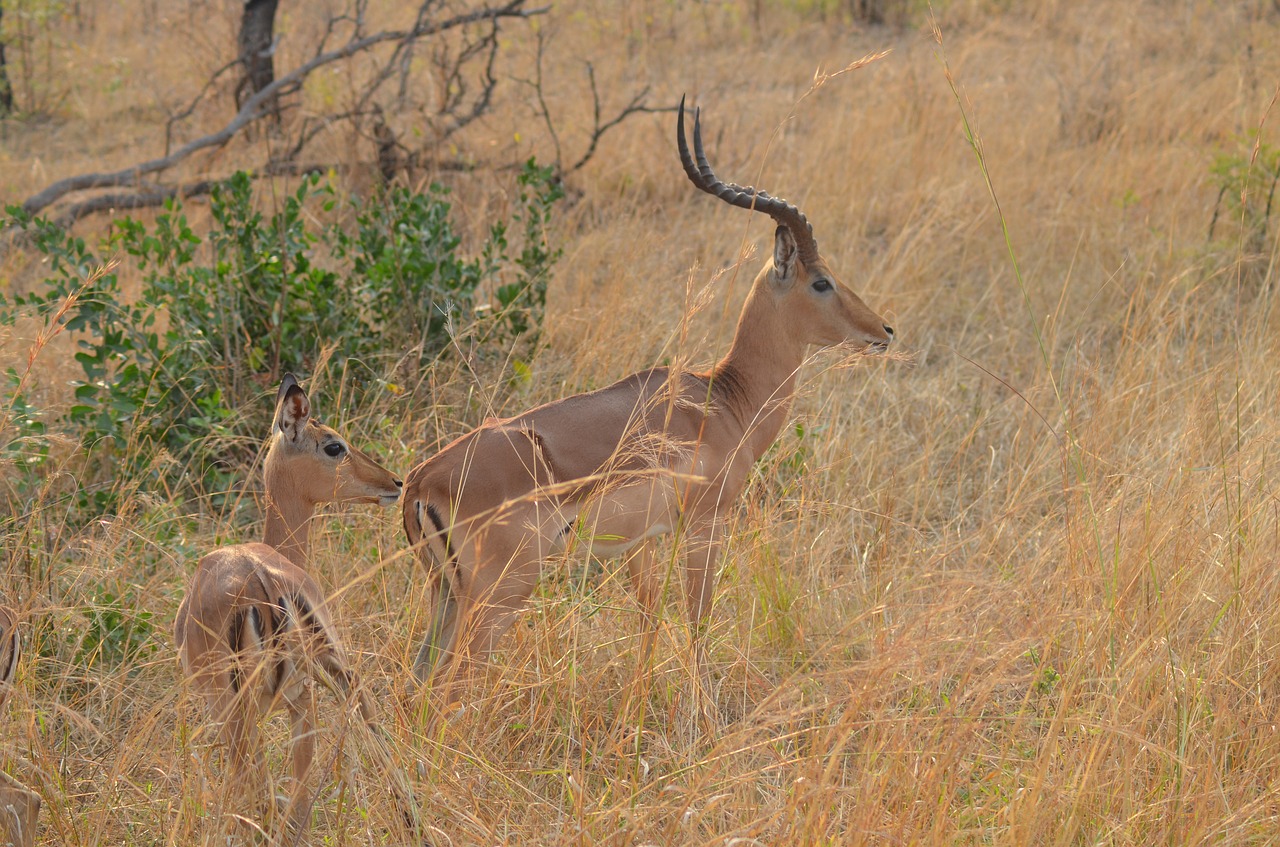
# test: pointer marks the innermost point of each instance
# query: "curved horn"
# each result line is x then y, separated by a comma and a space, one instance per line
742, 196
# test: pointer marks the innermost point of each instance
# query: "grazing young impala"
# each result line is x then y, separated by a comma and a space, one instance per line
254, 630
661, 451
19, 805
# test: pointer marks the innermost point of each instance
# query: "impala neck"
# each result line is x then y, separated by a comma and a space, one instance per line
757, 377
288, 528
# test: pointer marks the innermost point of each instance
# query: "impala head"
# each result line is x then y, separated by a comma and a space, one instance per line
313, 462
817, 306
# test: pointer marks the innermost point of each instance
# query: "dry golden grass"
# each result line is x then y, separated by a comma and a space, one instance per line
991, 597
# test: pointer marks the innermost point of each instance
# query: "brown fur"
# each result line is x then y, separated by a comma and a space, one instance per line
657, 452
254, 630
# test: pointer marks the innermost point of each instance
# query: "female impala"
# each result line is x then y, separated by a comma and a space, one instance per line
19, 805
659, 452
253, 629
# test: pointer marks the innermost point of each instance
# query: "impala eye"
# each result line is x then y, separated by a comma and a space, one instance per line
335, 449
822, 285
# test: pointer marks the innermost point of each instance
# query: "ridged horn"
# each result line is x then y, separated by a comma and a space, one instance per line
742, 196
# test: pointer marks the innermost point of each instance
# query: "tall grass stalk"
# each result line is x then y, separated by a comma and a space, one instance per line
1073, 450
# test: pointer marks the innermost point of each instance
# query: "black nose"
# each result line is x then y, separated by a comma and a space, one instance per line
399, 483
889, 330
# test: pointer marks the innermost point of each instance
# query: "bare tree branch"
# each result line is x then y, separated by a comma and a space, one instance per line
458, 103
149, 198
253, 108
453, 86
542, 100
356, 19
155, 196
178, 117
637, 105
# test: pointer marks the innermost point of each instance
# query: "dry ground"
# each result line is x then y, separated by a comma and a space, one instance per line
1022, 590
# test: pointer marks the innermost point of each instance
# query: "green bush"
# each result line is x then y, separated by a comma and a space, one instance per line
221, 317
117, 633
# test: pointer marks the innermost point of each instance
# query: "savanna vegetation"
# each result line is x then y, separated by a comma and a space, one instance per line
1014, 584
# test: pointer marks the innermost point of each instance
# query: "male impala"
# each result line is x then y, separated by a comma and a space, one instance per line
661, 451
19, 805
253, 628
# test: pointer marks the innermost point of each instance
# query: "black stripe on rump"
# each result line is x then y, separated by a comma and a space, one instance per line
451, 555
235, 640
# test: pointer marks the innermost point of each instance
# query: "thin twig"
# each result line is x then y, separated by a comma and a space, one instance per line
636, 106
196, 101
253, 109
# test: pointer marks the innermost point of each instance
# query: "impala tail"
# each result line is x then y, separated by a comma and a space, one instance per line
256, 637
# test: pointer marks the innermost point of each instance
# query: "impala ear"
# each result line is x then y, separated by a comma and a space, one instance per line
785, 253
293, 409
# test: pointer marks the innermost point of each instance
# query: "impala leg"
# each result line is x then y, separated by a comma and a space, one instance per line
245, 763
438, 644
648, 588
511, 561
702, 553
486, 625
19, 811
508, 561
302, 751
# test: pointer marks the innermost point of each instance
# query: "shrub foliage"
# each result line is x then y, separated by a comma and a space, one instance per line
170, 377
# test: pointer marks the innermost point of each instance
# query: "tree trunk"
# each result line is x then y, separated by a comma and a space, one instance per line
6, 90
868, 11
257, 49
